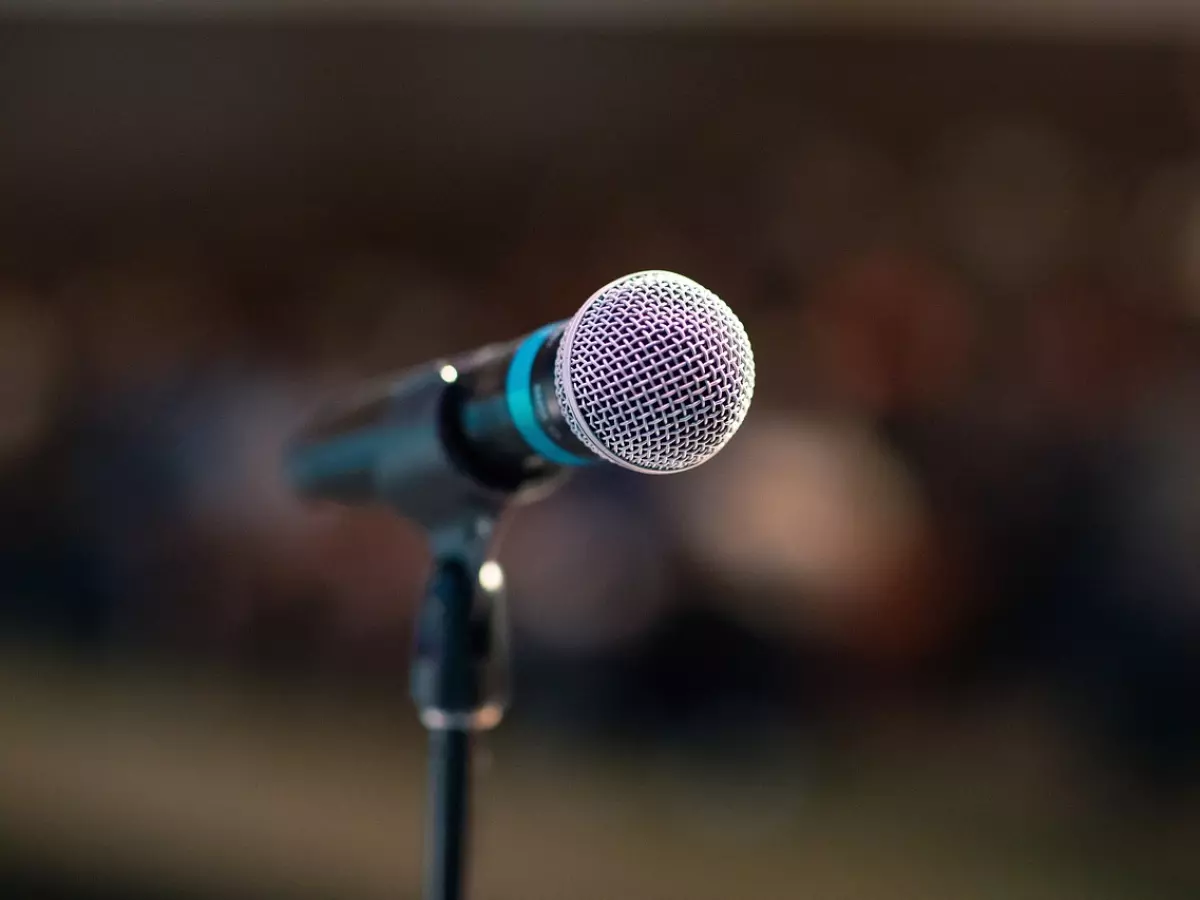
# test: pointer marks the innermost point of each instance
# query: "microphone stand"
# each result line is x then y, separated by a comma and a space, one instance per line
459, 683
400, 443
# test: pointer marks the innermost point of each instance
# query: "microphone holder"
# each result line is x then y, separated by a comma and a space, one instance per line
460, 685
412, 460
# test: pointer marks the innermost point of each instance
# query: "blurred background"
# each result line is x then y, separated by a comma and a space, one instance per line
928, 628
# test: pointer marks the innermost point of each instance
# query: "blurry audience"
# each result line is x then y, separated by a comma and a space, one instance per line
970, 465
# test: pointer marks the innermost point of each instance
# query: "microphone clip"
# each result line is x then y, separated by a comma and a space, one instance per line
460, 664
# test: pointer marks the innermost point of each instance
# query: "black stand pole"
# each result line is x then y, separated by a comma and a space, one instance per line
459, 684
449, 785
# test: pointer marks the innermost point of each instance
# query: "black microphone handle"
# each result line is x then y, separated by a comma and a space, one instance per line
474, 428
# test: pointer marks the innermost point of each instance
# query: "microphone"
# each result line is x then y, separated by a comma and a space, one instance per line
655, 374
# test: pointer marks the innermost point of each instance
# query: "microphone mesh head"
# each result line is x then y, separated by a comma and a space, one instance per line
655, 373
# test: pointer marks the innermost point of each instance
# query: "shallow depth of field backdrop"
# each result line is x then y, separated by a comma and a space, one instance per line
928, 628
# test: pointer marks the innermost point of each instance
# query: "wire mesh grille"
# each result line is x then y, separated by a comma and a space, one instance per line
655, 373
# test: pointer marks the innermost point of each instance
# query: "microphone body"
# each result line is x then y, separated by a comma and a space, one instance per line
455, 435
654, 374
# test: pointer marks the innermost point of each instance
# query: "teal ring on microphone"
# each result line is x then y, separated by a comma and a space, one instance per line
518, 389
